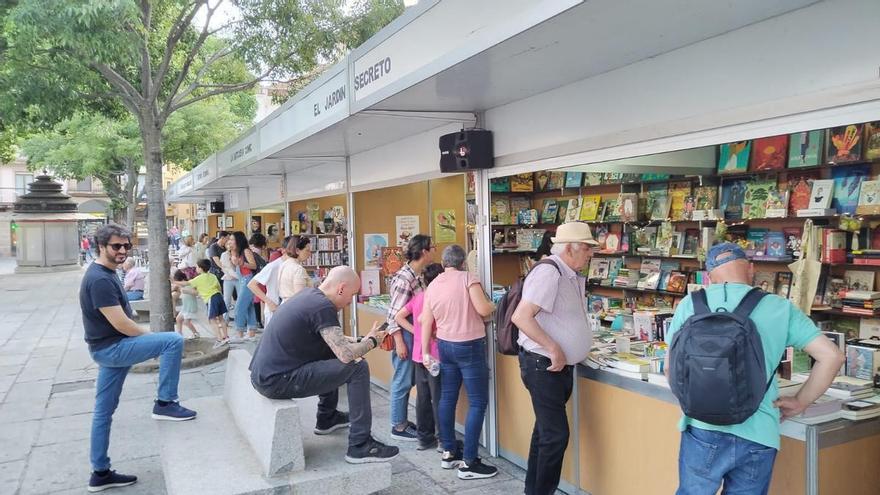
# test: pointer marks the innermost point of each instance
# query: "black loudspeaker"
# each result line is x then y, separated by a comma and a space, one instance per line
466, 150
216, 207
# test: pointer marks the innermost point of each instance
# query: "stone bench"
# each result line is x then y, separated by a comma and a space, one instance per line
244, 443
141, 310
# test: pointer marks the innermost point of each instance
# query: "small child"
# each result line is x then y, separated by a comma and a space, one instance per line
427, 385
209, 289
189, 306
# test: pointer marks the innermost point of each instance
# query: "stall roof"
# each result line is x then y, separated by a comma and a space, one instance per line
434, 66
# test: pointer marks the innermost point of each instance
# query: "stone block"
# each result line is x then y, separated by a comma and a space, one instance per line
271, 427
223, 465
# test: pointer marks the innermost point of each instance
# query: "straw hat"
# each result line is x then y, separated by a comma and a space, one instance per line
574, 232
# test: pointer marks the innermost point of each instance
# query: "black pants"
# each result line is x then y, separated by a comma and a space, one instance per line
550, 392
323, 378
427, 403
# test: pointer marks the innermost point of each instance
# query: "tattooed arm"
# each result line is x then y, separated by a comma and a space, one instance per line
346, 350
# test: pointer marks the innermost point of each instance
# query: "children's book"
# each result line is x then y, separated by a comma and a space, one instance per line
706, 197
541, 180
598, 269
766, 281
649, 274
573, 211
805, 149
659, 207
869, 198
628, 207
614, 265
755, 198
793, 240
847, 182
593, 178
574, 179
517, 205
783, 284
677, 282
776, 205
665, 238
821, 194
691, 241
799, 190
522, 183
590, 207
872, 140
555, 181
769, 153
500, 211
734, 157
499, 184
859, 280
548, 211
774, 244
612, 243
844, 144
610, 210
732, 197
678, 193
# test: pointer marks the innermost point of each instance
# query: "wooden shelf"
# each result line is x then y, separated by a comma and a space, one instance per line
634, 289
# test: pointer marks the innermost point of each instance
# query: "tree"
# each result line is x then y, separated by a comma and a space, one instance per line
148, 57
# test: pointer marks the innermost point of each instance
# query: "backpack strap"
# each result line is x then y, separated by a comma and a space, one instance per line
749, 301
546, 262
701, 304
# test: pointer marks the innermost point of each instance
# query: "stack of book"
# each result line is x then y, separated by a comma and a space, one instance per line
843, 387
866, 257
861, 302
866, 408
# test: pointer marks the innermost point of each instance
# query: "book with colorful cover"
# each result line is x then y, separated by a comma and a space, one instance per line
650, 177
755, 198
774, 244
573, 211
734, 157
847, 182
783, 284
628, 207
859, 280
541, 180
549, 210
677, 282
805, 149
844, 144
500, 211
590, 207
522, 183
574, 179
769, 153
660, 207
517, 205
649, 274
561, 210
593, 178
765, 281
822, 194
732, 198
614, 265
799, 191
706, 197
869, 198
793, 240
598, 269
777, 201
555, 181
872, 140
499, 184
678, 192
610, 210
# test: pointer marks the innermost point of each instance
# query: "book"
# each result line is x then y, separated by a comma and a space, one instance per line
858, 280
590, 207
527, 216
863, 362
869, 328
610, 210
548, 211
573, 211
706, 197
776, 205
774, 244
833, 246
614, 265
869, 198
678, 193
691, 242
660, 207
643, 322
732, 198
522, 183
766, 281
793, 240
593, 178
612, 243
769, 153
872, 140
555, 180
805, 149
499, 184
783, 284
561, 210
677, 282
755, 197
500, 211
664, 239
598, 269
844, 144
847, 183
541, 180
649, 274
628, 207
518, 204
821, 194
574, 179
734, 157
799, 189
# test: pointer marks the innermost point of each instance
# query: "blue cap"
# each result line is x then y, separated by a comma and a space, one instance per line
720, 254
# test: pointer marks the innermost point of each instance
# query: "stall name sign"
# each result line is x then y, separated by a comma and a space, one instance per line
372, 73
242, 152
334, 98
201, 174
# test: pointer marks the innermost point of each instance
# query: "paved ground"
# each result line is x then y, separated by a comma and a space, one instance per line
46, 400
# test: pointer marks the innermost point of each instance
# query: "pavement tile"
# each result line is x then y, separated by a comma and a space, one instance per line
10, 475
18, 440
65, 429
409, 482
56, 467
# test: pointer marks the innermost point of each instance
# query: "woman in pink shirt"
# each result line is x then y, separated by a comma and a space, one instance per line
427, 386
455, 301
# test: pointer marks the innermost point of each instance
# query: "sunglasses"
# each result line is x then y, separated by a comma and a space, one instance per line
118, 245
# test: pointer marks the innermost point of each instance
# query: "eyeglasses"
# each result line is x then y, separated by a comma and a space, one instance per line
118, 245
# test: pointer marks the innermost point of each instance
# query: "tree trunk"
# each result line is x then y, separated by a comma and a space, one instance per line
161, 312
131, 199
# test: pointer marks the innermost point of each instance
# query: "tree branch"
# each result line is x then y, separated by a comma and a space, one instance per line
131, 98
146, 67
221, 89
184, 19
195, 84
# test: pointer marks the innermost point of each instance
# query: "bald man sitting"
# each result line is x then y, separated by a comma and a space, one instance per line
304, 353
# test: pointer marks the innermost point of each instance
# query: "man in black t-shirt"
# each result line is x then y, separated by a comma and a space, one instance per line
213, 253
116, 343
304, 353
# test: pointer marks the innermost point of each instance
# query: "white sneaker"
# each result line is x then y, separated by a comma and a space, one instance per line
248, 338
220, 343
235, 340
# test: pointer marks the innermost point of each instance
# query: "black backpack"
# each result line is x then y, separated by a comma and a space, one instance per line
716, 362
506, 333
260, 262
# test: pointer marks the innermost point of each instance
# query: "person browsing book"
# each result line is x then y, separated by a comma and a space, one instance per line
554, 335
720, 449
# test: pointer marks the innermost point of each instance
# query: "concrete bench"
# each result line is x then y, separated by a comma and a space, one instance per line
244, 443
141, 310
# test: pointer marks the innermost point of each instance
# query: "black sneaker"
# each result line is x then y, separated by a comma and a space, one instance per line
476, 470
112, 479
173, 411
371, 451
451, 460
340, 420
408, 434
430, 444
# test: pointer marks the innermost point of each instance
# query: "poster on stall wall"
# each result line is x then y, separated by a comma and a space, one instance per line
369, 282
444, 226
407, 227
373, 243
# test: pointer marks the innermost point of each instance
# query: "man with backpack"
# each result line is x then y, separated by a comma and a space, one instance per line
554, 335
726, 341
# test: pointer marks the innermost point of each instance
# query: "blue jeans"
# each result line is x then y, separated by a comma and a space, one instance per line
708, 458
401, 382
114, 362
135, 295
245, 314
463, 362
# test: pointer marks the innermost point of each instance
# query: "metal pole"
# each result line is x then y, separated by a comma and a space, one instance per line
286, 205
350, 234
483, 239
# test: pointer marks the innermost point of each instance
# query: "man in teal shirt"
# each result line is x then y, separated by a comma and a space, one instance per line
741, 456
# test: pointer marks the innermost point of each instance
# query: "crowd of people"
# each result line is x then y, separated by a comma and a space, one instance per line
436, 328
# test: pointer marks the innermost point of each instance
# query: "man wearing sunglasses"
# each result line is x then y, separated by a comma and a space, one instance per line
116, 343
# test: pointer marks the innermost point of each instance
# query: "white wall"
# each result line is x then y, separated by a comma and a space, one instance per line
414, 158
264, 192
810, 57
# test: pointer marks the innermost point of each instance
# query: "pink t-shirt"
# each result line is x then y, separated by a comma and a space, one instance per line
456, 318
415, 309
